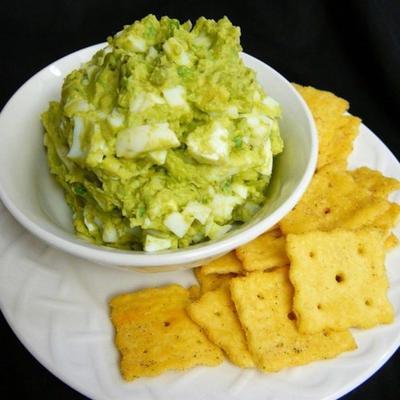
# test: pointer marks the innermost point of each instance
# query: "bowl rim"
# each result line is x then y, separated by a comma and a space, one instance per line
105, 255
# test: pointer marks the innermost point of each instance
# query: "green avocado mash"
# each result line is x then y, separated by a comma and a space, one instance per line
164, 138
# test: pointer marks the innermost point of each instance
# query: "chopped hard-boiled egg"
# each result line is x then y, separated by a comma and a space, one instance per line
198, 211
223, 205
154, 243
202, 41
176, 51
110, 234
215, 231
137, 44
266, 168
98, 147
209, 144
240, 190
115, 119
183, 59
76, 105
143, 101
92, 227
232, 112
158, 156
75, 150
272, 107
152, 53
177, 224
260, 126
132, 142
175, 96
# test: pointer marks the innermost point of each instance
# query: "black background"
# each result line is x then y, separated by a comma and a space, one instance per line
351, 48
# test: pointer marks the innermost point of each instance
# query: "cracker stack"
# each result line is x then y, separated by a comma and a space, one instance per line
290, 296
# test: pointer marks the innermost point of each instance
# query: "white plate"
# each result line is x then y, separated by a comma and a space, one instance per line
57, 306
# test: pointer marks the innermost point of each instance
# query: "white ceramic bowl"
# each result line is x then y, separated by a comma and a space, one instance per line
37, 202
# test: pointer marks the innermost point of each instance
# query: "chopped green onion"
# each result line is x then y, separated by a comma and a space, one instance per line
80, 190
184, 72
238, 141
150, 32
141, 211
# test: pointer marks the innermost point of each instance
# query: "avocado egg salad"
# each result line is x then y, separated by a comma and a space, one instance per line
164, 138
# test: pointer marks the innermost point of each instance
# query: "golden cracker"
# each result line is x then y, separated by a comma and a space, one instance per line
334, 199
339, 279
263, 302
375, 181
265, 252
211, 281
154, 334
226, 264
215, 313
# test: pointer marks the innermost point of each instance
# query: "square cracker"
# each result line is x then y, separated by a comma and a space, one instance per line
335, 199
265, 252
216, 314
154, 334
325, 106
388, 219
339, 279
226, 264
391, 242
263, 302
378, 184
336, 129
337, 148
211, 281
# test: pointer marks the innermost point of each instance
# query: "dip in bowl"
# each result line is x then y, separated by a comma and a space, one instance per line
172, 170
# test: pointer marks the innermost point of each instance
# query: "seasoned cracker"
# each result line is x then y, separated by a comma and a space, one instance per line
154, 334
215, 313
388, 219
325, 106
263, 302
226, 264
334, 199
339, 147
265, 252
336, 130
375, 182
339, 279
211, 281
194, 292
391, 242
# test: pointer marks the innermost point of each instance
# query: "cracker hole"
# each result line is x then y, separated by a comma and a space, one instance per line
339, 278
166, 323
361, 250
260, 296
327, 210
297, 350
319, 306
291, 316
311, 254
326, 333
217, 313
368, 302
